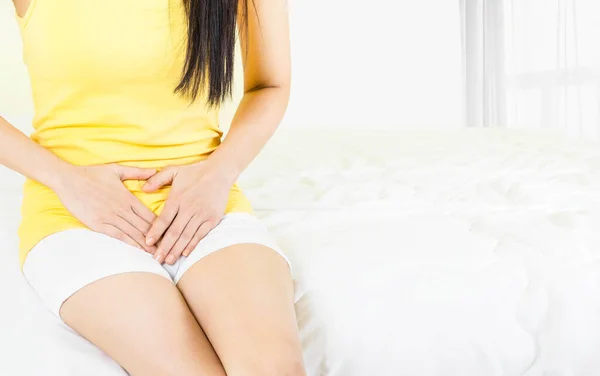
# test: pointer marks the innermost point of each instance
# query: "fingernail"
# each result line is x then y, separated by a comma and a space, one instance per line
157, 256
149, 241
170, 259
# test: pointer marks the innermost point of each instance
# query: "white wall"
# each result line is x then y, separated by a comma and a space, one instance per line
391, 63
378, 63
15, 95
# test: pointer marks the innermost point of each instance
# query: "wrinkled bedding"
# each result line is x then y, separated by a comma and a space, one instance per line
417, 252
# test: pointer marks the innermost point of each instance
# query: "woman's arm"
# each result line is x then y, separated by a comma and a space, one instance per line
267, 76
19, 153
93, 194
199, 192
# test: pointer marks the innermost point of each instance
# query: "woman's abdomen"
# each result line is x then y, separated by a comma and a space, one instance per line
43, 214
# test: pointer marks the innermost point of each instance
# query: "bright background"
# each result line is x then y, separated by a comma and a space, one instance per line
509, 282
390, 64
533, 64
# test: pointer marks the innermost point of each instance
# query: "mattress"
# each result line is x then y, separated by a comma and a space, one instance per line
416, 252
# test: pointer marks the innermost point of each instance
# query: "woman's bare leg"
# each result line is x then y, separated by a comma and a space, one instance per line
142, 321
243, 297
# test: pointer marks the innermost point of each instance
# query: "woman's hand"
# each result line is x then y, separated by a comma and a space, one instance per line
196, 204
96, 196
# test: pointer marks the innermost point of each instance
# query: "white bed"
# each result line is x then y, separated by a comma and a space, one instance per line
425, 252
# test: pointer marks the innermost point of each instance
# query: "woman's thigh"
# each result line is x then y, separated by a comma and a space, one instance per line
141, 321
243, 297
122, 301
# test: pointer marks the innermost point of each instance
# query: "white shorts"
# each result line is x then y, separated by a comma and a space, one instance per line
63, 263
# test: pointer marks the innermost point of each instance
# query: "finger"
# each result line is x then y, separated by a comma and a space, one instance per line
184, 239
114, 232
171, 236
125, 225
165, 177
128, 229
133, 173
136, 221
142, 211
202, 231
161, 223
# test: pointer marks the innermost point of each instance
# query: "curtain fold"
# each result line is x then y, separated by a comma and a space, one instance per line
483, 46
532, 64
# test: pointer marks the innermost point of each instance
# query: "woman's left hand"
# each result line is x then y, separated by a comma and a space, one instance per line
196, 204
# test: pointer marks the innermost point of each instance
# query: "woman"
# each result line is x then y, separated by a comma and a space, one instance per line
133, 230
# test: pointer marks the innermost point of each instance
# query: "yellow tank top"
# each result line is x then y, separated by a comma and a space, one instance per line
102, 75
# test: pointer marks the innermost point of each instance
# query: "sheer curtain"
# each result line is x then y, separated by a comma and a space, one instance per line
533, 64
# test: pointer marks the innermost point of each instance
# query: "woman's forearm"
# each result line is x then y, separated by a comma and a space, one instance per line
255, 121
19, 153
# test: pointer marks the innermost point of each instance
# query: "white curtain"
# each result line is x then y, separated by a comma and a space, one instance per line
533, 64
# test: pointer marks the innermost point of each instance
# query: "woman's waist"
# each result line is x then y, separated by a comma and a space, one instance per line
39, 200
87, 148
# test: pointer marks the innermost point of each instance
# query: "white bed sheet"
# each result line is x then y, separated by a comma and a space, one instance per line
425, 252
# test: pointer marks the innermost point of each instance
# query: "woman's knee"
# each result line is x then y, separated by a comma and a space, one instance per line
285, 367
276, 365
182, 367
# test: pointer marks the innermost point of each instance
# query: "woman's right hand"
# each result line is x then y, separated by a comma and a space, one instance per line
97, 197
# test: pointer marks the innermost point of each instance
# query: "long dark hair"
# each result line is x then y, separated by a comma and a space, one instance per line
210, 54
